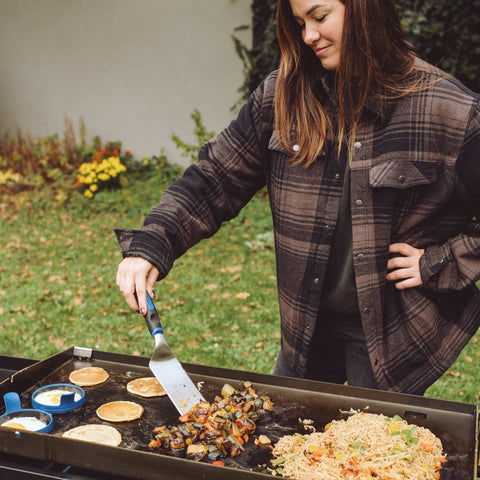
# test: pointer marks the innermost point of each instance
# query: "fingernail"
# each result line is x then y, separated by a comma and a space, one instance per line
152, 294
143, 311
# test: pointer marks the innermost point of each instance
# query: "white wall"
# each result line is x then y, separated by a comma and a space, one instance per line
133, 70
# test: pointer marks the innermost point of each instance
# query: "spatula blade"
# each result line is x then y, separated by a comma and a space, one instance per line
179, 387
167, 369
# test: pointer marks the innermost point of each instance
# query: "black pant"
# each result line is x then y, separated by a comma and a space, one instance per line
338, 355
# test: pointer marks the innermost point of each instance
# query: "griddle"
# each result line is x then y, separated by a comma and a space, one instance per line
455, 423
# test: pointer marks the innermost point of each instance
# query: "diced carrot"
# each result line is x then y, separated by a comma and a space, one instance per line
185, 418
219, 463
428, 447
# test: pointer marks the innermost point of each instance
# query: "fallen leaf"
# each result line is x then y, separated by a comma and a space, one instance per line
234, 269
58, 342
56, 279
242, 295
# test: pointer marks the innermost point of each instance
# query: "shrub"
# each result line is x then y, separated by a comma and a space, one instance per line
202, 135
36, 162
447, 34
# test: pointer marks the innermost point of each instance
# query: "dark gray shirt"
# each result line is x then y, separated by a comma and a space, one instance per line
339, 294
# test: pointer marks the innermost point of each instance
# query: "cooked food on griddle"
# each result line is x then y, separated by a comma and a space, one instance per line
96, 433
120, 411
146, 387
88, 376
366, 446
24, 423
213, 430
53, 397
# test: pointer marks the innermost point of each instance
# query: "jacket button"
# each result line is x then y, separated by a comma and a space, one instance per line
401, 178
358, 203
360, 256
337, 176
366, 310
316, 281
296, 148
357, 144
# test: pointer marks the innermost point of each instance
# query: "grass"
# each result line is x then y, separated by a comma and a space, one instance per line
218, 304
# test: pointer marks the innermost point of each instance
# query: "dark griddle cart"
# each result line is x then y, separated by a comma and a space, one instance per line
29, 455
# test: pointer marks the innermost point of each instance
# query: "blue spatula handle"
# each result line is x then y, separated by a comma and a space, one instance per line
152, 319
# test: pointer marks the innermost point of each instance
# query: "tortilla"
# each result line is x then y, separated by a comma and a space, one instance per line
88, 376
120, 411
103, 434
146, 387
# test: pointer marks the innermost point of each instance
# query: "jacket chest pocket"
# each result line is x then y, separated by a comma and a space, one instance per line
405, 194
402, 174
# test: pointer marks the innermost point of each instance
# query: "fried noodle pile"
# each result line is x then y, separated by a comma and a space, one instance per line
364, 447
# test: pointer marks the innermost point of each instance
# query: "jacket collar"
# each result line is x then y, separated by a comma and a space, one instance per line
325, 89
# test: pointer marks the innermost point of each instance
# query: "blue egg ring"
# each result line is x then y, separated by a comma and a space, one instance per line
67, 400
13, 408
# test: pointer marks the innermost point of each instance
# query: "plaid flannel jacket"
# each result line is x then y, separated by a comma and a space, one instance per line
415, 178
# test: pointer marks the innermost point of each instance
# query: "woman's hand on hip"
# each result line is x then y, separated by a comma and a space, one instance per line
404, 269
135, 277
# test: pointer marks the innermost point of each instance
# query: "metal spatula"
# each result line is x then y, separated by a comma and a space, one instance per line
167, 369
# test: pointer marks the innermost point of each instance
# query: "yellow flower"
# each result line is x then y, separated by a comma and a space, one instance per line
84, 168
92, 173
90, 178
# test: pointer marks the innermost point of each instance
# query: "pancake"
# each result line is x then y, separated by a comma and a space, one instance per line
88, 376
120, 411
146, 387
103, 434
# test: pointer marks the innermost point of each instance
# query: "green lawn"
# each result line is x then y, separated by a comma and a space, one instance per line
218, 305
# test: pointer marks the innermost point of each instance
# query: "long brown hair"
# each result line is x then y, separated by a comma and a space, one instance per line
375, 65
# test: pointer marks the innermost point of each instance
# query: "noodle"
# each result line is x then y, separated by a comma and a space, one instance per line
364, 447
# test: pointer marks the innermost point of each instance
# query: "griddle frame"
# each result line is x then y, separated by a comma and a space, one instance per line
458, 420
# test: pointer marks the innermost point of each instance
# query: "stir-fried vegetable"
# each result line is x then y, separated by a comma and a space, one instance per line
214, 430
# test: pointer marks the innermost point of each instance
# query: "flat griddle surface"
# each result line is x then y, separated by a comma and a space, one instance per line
454, 423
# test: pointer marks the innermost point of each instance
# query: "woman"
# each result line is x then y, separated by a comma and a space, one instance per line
371, 159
